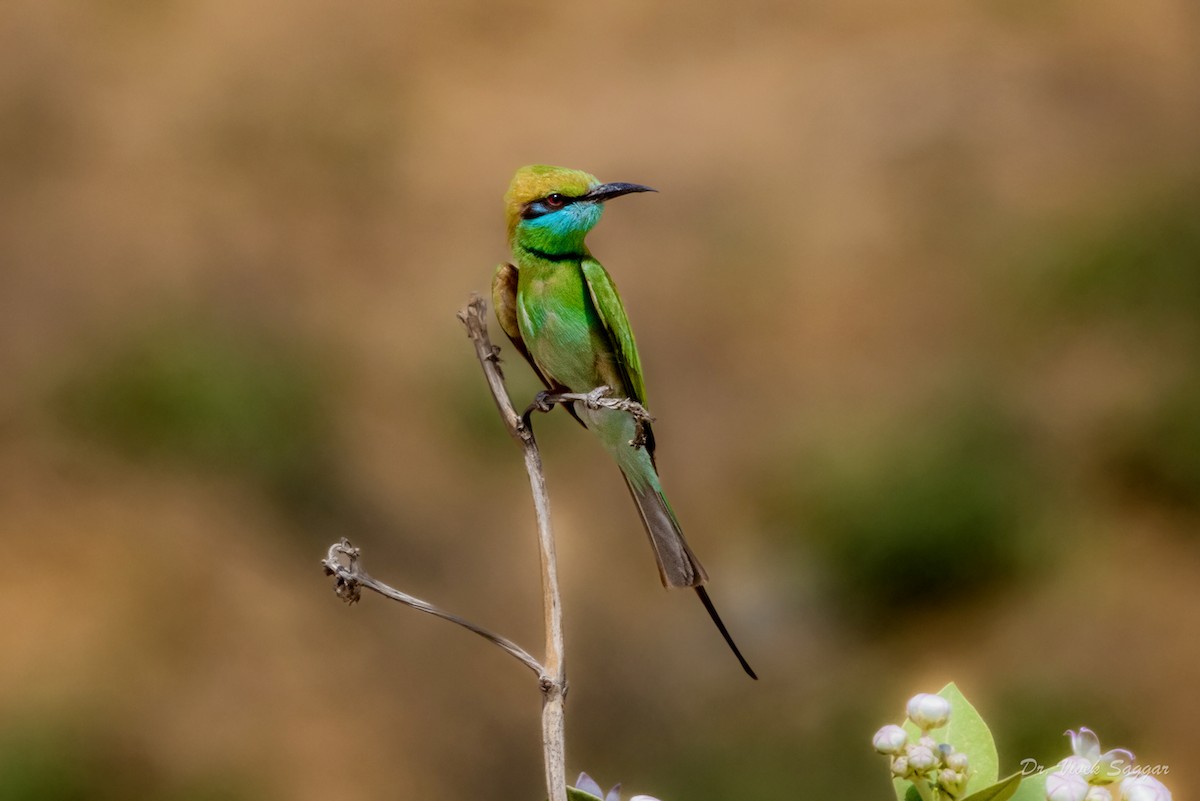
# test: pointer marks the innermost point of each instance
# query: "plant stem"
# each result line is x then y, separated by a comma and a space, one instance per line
553, 681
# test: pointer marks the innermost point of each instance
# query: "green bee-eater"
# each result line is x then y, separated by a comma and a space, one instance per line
561, 310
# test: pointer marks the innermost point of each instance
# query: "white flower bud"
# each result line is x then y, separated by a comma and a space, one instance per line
921, 758
958, 761
928, 711
900, 767
1066, 787
952, 782
1144, 787
891, 740
1099, 794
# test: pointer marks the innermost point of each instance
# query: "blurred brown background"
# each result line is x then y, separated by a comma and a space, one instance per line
919, 305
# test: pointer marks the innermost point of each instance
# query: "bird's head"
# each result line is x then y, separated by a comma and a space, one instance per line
551, 209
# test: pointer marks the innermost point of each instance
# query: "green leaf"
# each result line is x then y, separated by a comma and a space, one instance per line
574, 794
1000, 791
905, 791
1033, 788
967, 732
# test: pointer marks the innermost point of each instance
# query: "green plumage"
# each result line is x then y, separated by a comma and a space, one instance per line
562, 311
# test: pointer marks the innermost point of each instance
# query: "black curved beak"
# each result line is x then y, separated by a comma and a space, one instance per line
605, 192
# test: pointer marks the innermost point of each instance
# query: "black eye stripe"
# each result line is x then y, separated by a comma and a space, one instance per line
545, 205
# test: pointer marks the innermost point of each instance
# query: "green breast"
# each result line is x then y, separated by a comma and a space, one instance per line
560, 326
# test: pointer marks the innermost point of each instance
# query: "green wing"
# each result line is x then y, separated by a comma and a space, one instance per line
616, 324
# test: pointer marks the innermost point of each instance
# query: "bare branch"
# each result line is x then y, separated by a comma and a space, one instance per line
342, 563
472, 316
554, 679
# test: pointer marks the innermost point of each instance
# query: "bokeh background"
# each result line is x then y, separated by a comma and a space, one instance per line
919, 305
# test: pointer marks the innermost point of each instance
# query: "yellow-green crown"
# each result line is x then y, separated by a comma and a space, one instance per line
539, 180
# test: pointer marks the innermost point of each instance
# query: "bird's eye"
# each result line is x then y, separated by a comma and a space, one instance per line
555, 201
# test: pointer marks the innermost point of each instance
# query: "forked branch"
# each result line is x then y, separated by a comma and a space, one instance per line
342, 561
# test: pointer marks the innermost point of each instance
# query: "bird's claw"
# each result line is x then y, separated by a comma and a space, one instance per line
542, 402
639, 436
592, 399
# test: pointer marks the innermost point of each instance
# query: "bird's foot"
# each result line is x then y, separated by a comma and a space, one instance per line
593, 399
640, 437
542, 402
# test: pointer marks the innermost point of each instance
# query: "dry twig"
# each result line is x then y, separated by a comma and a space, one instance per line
554, 678
342, 563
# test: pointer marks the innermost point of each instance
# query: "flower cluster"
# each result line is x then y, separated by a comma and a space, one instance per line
935, 769
1088, 775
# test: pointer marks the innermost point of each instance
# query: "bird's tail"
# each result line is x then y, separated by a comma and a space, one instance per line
677, 565
712, 612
